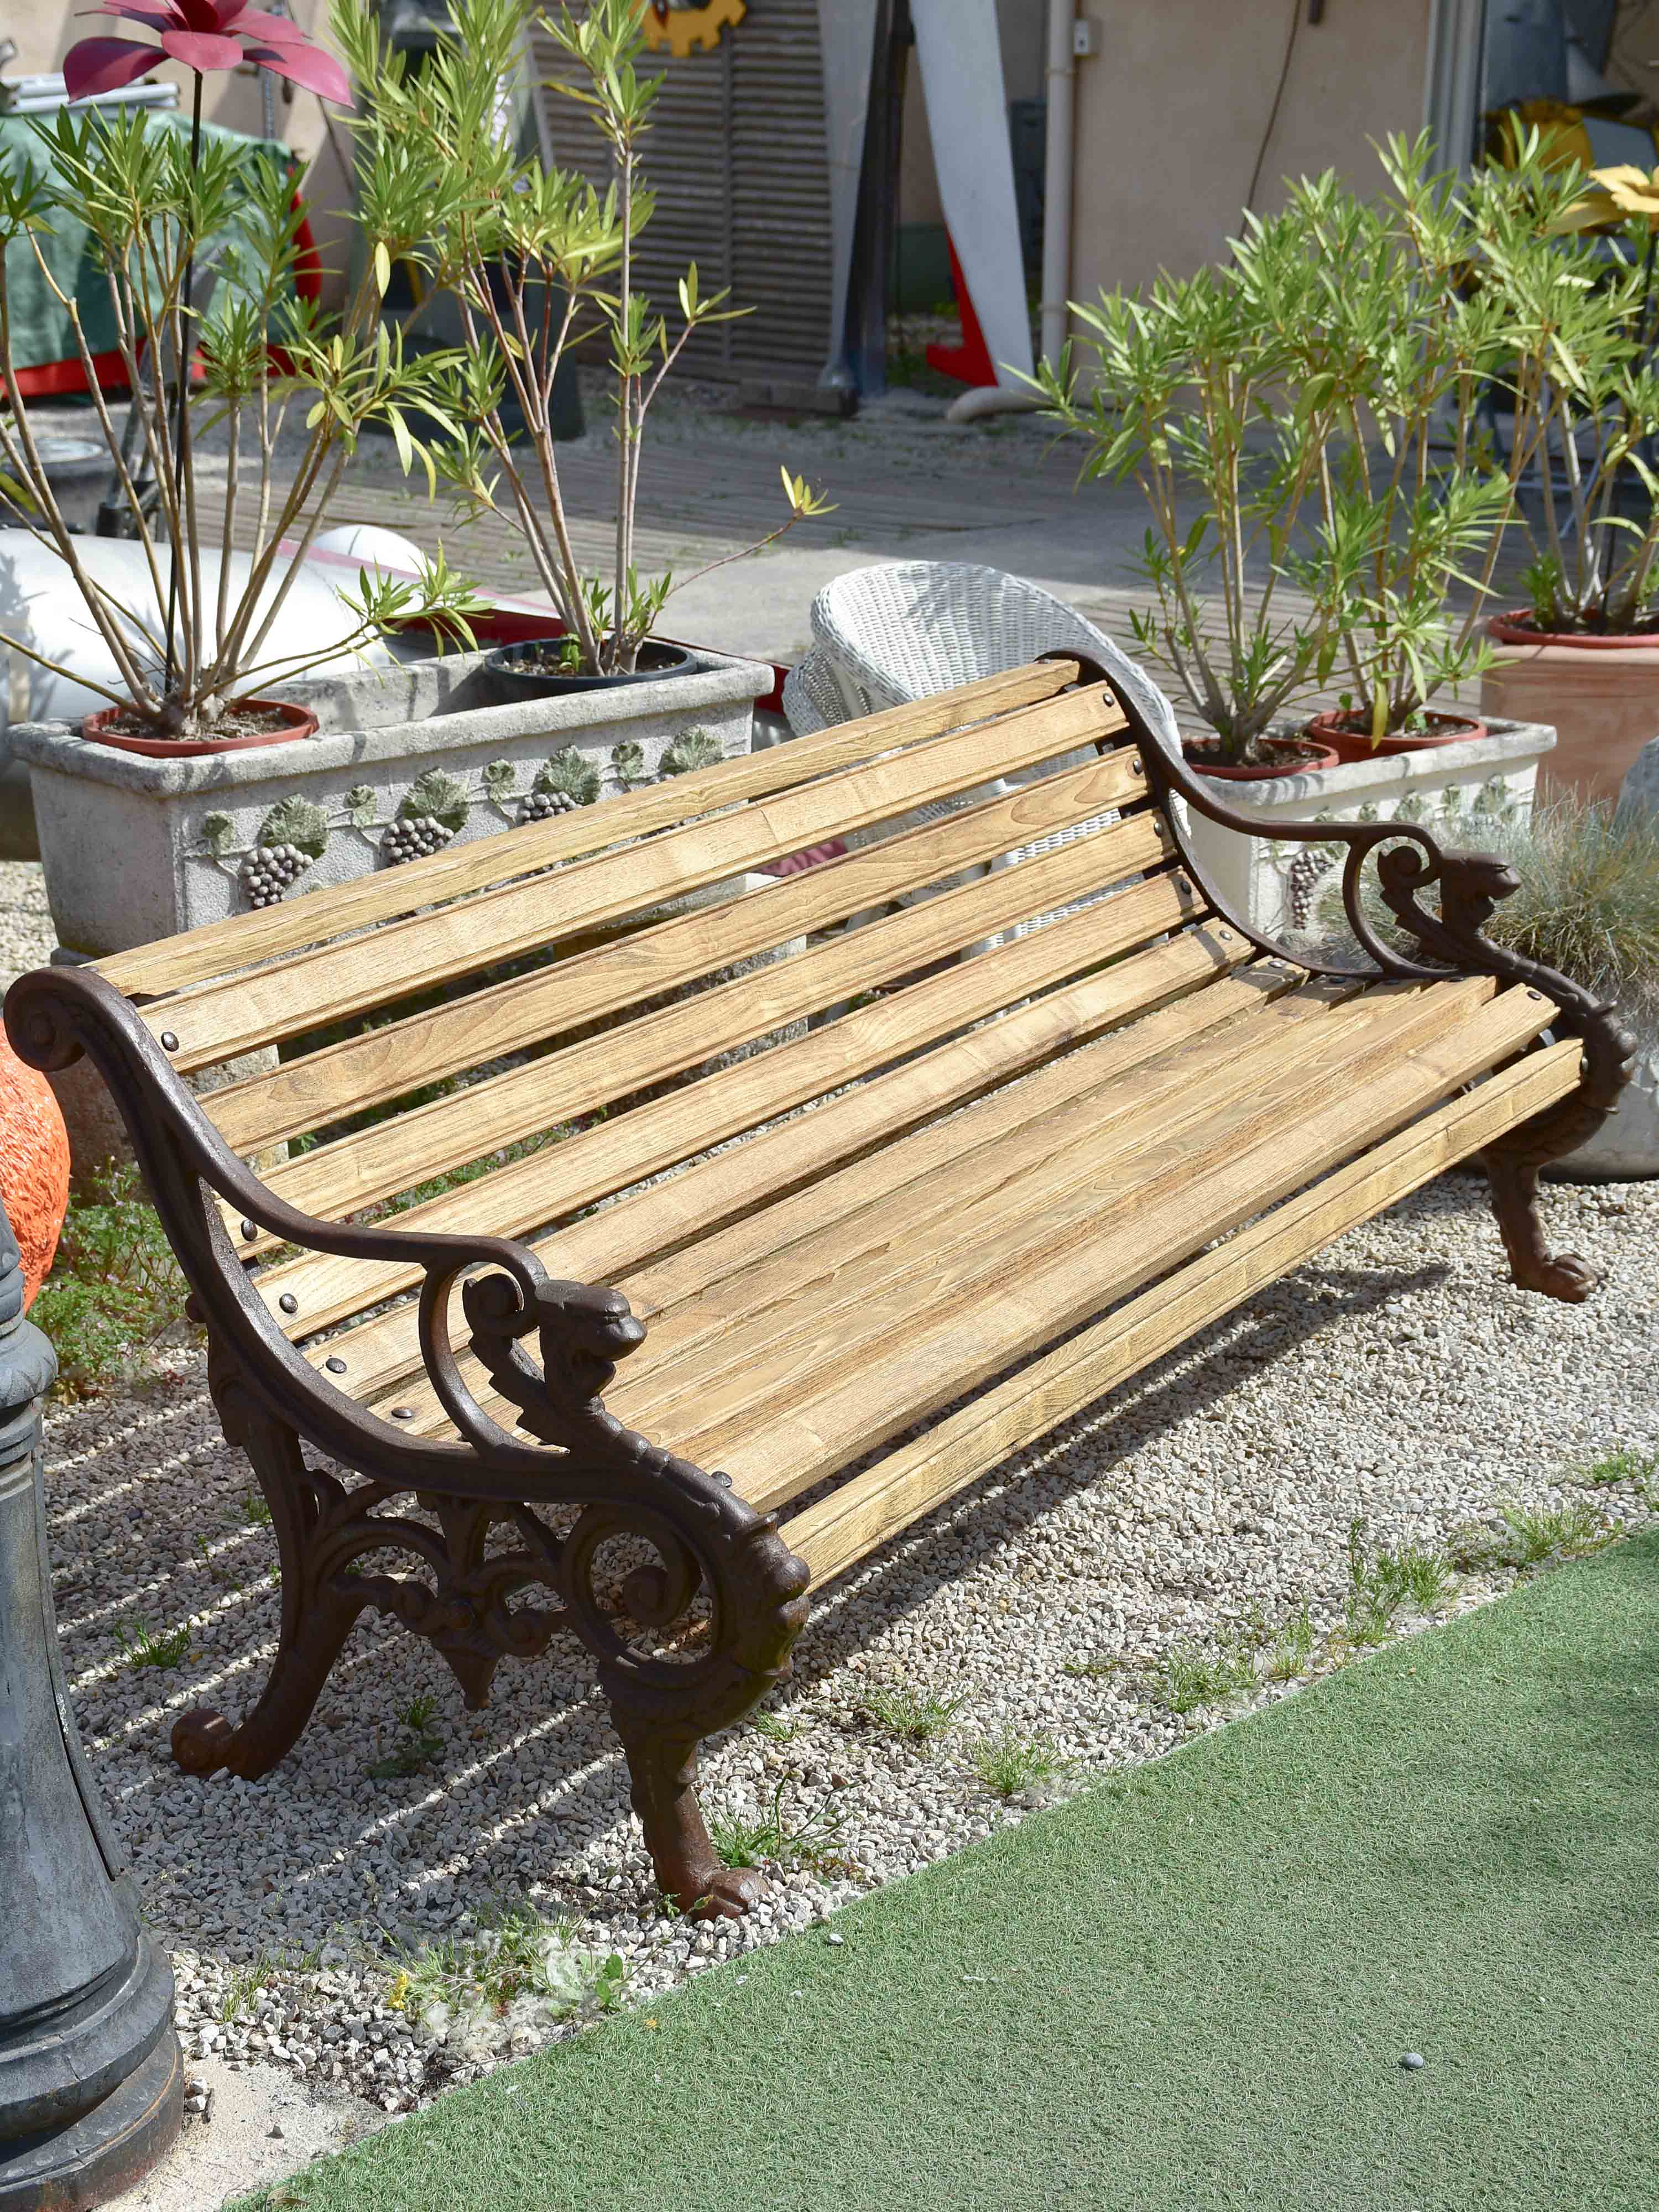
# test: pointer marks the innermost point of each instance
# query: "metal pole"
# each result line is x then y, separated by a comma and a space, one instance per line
91, 2079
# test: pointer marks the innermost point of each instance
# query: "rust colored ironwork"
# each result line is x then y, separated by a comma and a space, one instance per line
1410, 862
273, 1403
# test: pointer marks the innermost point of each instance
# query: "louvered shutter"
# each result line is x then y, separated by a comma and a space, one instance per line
736, 158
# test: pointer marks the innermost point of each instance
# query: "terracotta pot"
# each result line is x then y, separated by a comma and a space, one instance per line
1331, 728
1602, 694
300, 722
1198, 751
34, 1165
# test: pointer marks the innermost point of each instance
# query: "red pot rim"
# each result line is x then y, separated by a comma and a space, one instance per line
1193, 749
1517, 627
302, 723
1454, 730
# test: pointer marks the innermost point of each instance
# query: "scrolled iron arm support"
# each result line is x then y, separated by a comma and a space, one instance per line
55, 1015
1410, 861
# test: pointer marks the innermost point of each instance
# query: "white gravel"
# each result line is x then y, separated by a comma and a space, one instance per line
1400, 1379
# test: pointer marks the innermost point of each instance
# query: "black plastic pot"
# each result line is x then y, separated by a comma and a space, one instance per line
505, 669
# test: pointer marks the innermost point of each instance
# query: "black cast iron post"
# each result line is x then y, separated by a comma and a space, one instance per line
91, 2081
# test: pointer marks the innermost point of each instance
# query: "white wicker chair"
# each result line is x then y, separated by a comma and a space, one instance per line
901, 629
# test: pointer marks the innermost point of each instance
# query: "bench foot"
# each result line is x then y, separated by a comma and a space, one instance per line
662, 1764
1533, 1267
203, 1740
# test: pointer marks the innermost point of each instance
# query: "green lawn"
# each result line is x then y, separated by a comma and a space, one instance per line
1189, 1988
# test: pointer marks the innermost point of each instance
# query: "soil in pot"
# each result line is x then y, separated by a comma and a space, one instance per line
1264, 757
1349, 735
1598, 689
244, 724
536, 668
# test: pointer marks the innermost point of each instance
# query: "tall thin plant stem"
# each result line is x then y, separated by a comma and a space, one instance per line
181, 409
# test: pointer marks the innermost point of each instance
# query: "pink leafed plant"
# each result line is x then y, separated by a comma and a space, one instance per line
204, 35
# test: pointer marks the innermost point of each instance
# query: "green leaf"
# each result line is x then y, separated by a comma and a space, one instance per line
439, 797
498, 778
572, 772
297, 822
219, 834
693, 749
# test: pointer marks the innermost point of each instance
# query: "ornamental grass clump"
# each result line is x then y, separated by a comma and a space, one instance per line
192, 248
539, 261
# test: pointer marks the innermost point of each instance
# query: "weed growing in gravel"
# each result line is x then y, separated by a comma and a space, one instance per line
256, 1510
1380, 1585
1189, 1676
909, 1716
114, 1286
1544, 1533
745, 1843
769, 1724
518, 1967
140, 1649
243, 1984
1623, 1464
1009, 1764
1093, 1666
419, 1747
1291, 1649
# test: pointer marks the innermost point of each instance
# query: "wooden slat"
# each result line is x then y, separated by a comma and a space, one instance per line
754, 1254
715, 1190
389, 1156
390, 1061
223, 947
403, 957
1063, 1149
840, 1529
930, 1351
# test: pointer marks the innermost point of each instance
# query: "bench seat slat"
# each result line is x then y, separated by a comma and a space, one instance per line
973, 1217
705, 1196
389, 1062
862, 1513
726, 1283
224, 948
386, 1157
918, 1359
427, 949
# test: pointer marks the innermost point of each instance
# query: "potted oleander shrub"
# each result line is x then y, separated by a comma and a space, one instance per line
192, 626
1573, 255
1186, 391
539, 261
1413, 492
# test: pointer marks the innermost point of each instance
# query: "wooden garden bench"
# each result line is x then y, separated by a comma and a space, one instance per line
1037, 1157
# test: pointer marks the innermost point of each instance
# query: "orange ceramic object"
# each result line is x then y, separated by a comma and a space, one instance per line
34, 1165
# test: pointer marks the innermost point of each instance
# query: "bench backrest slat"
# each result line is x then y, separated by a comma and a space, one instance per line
224, 948
386, 1063
427, 950
386, 1157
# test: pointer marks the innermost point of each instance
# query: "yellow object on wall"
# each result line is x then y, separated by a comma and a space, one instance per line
680, 29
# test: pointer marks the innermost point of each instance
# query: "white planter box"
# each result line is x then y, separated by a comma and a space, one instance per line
138, 848
1276, 887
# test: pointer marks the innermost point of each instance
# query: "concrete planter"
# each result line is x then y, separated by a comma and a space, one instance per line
402, 764
1276, 887
1626, 1148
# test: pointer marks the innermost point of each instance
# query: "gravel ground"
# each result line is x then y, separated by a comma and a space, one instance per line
1401, 1380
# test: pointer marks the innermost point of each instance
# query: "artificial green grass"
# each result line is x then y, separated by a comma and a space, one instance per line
1191, 1987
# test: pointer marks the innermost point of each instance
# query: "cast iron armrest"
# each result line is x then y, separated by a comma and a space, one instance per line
56, 1014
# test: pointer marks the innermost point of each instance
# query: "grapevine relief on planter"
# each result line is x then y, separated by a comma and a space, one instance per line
297, 832
1304, 871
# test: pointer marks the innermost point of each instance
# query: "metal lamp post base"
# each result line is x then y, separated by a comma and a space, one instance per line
65, 2169
91, 2079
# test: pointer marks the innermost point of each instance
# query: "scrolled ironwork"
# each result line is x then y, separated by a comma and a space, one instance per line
1410, 861
274, 1403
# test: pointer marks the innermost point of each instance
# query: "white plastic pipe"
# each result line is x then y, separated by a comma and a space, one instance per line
1058, 159
974, 406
